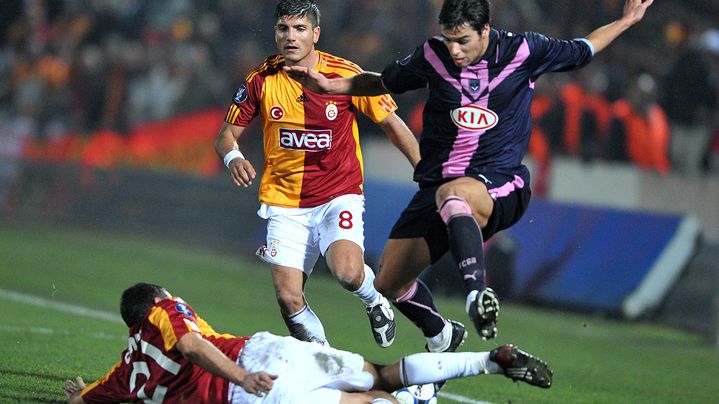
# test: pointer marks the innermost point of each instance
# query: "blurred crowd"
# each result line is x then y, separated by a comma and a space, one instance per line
81, 66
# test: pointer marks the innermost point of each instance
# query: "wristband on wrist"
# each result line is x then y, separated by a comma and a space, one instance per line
231, 155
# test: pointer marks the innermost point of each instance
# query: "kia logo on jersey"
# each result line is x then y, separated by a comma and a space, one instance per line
474, 117
306, 140
277, 112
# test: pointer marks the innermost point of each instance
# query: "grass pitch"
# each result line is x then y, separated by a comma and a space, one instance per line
46, 340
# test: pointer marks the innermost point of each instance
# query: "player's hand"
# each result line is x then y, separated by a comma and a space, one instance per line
309, 78
242, 172
634, 10
72, 388
258, 383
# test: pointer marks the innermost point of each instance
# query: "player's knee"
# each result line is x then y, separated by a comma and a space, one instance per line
350, 280
383, 289
389, 290
465, 188
454, 188
455, 200
454, 206
349, 273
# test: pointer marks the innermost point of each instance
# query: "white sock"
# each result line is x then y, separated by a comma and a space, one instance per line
441, 341
470, 298
425, 368
490, 367
367, 292
306, 326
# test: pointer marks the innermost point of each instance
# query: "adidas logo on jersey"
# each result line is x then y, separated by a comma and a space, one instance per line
301, 98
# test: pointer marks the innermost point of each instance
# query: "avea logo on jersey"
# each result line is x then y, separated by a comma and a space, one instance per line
473, 117
306, 140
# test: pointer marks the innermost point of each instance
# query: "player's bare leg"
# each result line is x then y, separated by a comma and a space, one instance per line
345, 260
402, 262
301, 321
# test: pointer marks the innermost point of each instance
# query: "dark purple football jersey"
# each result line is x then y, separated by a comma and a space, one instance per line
477, 119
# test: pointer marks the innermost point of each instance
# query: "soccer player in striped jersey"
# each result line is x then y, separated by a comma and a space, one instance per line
174, 356
311, 187
476, 131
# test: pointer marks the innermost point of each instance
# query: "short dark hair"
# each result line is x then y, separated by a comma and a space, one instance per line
137, 299
476, 13
298, 8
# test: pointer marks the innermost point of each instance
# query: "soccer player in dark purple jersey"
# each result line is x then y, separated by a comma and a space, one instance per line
476, 128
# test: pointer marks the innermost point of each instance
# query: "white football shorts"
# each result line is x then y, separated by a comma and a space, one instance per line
297, 236
307, 372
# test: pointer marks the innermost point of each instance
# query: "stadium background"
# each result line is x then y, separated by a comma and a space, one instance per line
108, 111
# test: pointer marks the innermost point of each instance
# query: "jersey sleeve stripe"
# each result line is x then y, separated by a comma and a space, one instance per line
269, 64
337, 63
388, 107
333, 58
391, 101
160, 319
236, 115
259, 69
344, 62
344, 67
232, 113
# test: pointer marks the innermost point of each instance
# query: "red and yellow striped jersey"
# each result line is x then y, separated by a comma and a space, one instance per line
152, 369
311, 141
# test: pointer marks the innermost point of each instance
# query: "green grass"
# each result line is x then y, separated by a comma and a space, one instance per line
595, 360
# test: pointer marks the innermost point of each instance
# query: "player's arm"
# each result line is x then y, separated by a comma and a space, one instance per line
202, 353
401, 137
241, 170
365, 83
633, 13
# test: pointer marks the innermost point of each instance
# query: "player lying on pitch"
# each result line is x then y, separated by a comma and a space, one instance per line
173, 355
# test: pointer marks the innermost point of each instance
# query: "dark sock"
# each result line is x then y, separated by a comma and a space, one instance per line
465, 242
418, 306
